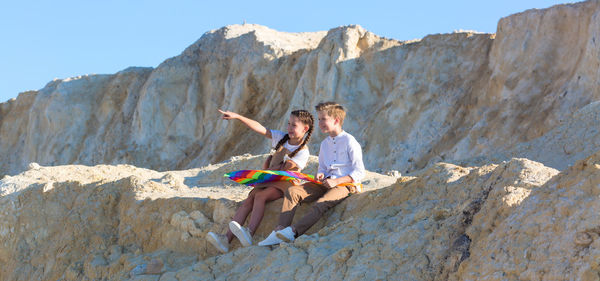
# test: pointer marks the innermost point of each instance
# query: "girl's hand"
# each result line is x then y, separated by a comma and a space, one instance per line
255, 126
320, 176
267, 162
227, 115
290, 165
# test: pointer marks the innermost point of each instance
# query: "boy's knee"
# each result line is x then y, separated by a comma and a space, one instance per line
323, 206
293, 193
293, 190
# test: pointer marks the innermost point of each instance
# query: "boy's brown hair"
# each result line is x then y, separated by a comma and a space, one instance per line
333, 109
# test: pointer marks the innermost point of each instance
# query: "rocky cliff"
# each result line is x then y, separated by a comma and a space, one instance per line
498, 132
79, 222
516, 220
458, 98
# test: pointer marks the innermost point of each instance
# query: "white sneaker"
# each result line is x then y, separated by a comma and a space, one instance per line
219, 241
286, 234
242, 233
270, 240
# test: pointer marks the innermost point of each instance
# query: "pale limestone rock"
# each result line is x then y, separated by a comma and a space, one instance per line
551, 234
416, 229
116, 222
449, 222
530, 90
464, 97
155, 266
184, 223
198, 218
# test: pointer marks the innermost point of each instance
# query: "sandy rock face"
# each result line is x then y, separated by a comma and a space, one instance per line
113, 222
550, 234
511, 221
416, 229
505, 110
540, 69
78, 120
463, 98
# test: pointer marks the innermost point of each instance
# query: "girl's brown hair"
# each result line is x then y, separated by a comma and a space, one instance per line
306, 118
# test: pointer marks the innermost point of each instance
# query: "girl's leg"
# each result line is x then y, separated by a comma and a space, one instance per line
258, 210
243, 211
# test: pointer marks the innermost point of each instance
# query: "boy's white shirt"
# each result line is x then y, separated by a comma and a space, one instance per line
301, 158
341, 156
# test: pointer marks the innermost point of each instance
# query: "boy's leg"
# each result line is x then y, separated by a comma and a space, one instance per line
331, 198
307, 192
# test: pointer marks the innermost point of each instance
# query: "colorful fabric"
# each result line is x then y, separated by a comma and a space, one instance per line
254, 177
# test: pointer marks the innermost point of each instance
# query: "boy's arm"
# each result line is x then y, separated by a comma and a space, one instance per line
335, 182
358, 167
254, 125
321, 170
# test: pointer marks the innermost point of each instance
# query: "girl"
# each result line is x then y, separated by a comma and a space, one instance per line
291, 154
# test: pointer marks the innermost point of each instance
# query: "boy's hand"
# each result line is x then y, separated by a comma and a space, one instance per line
229, 115
330, 183
320, 176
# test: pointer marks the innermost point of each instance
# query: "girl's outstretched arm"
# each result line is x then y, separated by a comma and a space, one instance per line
255, 126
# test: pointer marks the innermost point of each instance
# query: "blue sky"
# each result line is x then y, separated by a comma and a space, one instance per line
43, 40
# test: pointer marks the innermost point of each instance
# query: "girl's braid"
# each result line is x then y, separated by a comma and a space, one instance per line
282, 141
306, 118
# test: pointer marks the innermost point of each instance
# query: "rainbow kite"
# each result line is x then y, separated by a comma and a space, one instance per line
254, 177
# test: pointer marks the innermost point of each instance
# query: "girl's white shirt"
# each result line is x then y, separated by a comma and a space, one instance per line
301, 158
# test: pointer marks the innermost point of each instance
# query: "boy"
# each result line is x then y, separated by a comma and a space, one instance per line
340, 170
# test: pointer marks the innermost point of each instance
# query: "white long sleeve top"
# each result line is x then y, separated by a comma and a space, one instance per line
341, 156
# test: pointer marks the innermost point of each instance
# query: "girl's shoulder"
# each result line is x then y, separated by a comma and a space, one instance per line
276, 136
304, 151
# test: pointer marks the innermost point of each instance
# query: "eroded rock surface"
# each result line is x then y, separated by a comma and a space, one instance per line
464, 98
483, 123
77, 222
509, 221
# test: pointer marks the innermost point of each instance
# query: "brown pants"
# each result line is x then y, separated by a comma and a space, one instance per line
309, 192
